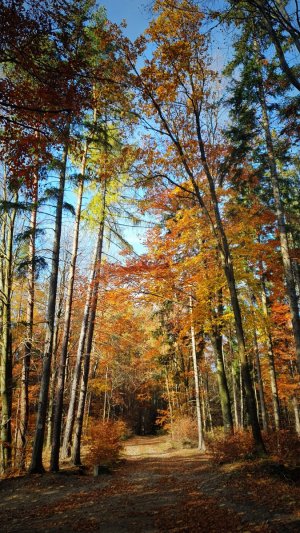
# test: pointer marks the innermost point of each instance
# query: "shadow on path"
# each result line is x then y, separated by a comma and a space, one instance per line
156, 489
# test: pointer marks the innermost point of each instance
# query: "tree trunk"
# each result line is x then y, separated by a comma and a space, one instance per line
89, 340
24, 400
58, 411
234, 392
67, 440
262, 402
272, 373
242, 411
201, 443
208, 405
216, 341
296, 413
170, 404
105, 395
8, 226
49, 424
37, 452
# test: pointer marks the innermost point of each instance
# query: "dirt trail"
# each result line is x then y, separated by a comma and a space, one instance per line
156, 489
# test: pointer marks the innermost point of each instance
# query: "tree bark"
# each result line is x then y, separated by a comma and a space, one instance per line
264, 414
169, 403
201, 443
216, 341
272, 372
8, 226
296, 414
235, 405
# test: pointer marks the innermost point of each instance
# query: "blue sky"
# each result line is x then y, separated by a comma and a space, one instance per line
137, 15
135, 12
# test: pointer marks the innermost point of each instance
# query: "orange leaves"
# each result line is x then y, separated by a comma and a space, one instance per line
105, 443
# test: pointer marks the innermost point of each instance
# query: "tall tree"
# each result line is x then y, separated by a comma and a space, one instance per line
253, 95
31, 273
58, 403
8, 218
74, 45
175, 88
279, 21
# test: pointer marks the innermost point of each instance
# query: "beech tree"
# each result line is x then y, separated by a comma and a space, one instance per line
176, 86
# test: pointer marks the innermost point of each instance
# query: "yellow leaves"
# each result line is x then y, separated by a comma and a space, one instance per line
177, 66
174, 18
166, 91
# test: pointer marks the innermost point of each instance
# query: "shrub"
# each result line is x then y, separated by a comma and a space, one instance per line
228, 448
185, 432
283, 446
105, 442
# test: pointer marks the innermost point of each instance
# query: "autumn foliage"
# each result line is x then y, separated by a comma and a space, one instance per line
103, 139
105, 442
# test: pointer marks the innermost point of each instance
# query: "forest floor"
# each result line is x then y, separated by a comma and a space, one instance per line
154, 489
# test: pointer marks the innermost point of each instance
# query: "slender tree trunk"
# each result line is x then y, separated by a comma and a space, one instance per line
24, 400
264, 415
280, 215
6, 340
49, 424
216, 341
170, 404
37, 452
234, 392
89, 340
204, 415
54, 365
67, 440
66, 446
90, 396
201, 443
54, 463
242, 411
105, 395
208, 405
234, 383
296, 413
245, 371
87, 410
272, 373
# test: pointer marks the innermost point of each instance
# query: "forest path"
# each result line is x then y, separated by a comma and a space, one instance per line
156, 489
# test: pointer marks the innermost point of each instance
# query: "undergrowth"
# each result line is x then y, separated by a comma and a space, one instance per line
282, 446
184, 432
105, 442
